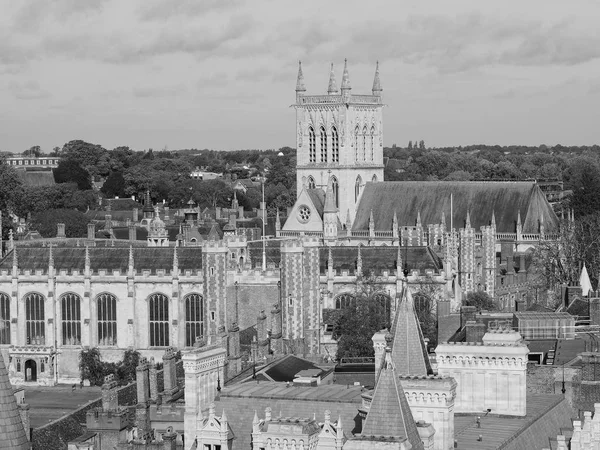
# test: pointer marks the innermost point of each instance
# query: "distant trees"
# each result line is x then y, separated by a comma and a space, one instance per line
71, 171
45, 222
481, 301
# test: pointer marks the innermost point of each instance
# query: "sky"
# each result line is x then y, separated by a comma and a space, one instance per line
221, 74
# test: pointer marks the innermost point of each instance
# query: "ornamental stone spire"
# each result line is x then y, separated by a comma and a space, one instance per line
332, 89
468, 220
346, 88
376, 81
300, 81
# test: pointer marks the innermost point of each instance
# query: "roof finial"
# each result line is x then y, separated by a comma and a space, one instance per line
376, 81
346, 77
87, 256
332, 89
468, 220
15, 258
338, 426
359, 261
300, 81
130, 256
175, 259
50, 257
493, 219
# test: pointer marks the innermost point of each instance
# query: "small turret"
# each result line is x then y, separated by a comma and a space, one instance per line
346, 88
332, 88
493, 222
300, 88
377, 82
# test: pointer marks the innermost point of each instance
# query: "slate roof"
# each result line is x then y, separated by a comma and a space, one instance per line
272, 250
107, 258
286, 368
318, 198
389, 414
241, 400
408, 346
12, 433
432, 198
378, 259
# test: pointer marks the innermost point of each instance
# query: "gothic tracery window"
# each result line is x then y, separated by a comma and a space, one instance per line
312, 145
107, 319
344, 301
158, 305
357, 188
4, 319
364, 144
310, 183
35, 328
336, 191
335, 145
194, 318
372, 143
70, 306
323, 136
356, 150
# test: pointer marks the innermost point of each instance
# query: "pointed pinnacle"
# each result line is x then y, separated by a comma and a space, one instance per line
87, 256
131, 256
300, 81
15, 258
376, 81
332, 88
468, 221
346, 77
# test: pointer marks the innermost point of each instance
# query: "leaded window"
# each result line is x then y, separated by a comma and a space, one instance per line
372, 143
107, 319
312, 145
335, 145
344, 301
356, 151
70, 306
364, 144
311, 183
323, 144
4, 319
158, 305
35, 329
357, 188
194, 318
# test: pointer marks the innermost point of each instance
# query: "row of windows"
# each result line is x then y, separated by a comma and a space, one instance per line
32, 162
364, 144
312, 145
158, 315
384, 302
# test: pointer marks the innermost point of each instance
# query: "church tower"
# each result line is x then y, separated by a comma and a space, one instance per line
339, 137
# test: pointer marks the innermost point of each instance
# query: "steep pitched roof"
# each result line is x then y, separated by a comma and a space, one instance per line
12, 433
408, 347
432, 198
318, 198
390, 415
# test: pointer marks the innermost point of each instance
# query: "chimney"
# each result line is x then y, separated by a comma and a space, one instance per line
107, 222
166, 208
135, 214
143, 383
132, 232
153, 381
276, 330
110, 400
234, 353
467, 314
24, 413
232, 219
241, 212
443, 308
91, 231
217, 212
169, 374
474, 331
60, 233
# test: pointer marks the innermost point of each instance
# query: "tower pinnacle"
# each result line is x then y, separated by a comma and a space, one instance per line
346, 79
376, 81
300, 81
332, 89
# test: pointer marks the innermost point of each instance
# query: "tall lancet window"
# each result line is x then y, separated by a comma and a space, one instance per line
312, 145
335, 145
310, 183
364, 144
356, 151
336, 191
323, 144
4, 319
372, 143
357, 188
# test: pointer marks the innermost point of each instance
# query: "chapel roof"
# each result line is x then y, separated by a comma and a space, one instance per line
318, 198
432, 198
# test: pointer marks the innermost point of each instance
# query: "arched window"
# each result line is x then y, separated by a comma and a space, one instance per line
312, 145
364, 143
372, 143
70, 307
357, 188
336, 191
374, 179
35, 330
383, 303
344, 301
310, 183
356, 151
323, 144
158, 306
107, 319
4, 319
335, 145
194, 318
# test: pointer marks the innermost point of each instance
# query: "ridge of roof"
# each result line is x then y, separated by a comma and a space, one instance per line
408, 345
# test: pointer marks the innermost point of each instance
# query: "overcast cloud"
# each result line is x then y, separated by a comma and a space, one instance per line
221, 73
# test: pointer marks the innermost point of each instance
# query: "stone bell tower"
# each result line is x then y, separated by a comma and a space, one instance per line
339, 135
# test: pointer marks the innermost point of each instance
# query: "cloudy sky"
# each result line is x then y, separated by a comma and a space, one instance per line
221, 73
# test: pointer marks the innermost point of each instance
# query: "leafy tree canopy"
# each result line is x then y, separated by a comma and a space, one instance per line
480, 300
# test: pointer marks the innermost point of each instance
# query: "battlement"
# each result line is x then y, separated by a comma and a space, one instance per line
215, 246
167, 412
97, 419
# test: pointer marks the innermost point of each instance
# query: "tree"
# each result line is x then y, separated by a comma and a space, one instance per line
45, 222
70, 171
480, 300
410, 146
93, 158
362, 318
114, 186
10, 186
425, 299
34, 151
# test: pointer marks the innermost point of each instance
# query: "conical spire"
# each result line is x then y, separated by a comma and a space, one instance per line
12, 432
332, 89
223, 421
395, 221
419, 219
348, 221
338, 427
330, 198
468, 220
408, 346
255, 420
346, 77
493, 223
390, 415
300, 81
376, 81
519, 225
371, 220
